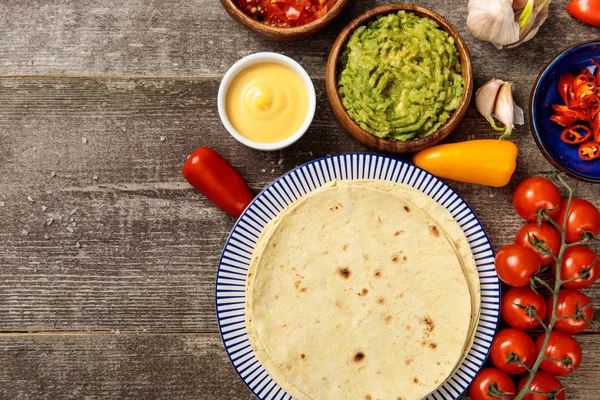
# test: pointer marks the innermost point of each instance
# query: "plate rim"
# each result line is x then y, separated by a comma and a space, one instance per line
427, 177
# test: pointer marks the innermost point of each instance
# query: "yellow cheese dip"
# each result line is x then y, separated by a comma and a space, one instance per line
267, 102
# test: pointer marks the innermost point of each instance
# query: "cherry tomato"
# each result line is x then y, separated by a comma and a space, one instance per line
515, 264
216, 179
563, 347
491, 384
534, 194
516, 316
550, 235
544, 383
572, 303
510, 344
583, 217
580, 261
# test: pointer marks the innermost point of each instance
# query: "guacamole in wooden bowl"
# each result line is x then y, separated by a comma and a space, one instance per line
400, 76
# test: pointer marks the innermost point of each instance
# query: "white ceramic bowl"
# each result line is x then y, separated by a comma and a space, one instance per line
259, 58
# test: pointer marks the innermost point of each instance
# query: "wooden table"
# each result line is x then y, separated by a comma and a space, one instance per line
107, 257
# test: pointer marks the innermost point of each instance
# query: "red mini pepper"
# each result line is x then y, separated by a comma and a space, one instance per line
208, 172
587, 11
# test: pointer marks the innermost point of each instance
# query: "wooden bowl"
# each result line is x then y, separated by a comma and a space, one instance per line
283, 34
369, 139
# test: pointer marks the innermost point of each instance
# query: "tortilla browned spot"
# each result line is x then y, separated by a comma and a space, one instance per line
429, 325
358, 357
303, 356
407, 208
364, 292
398, 232
344, 272
368, 397
378, 274
388, 319
434, 231
432, 345
408, 361
416, 380
345, 247
381, 300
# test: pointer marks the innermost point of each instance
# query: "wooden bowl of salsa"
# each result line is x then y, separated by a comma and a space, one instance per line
281, 21
384, 142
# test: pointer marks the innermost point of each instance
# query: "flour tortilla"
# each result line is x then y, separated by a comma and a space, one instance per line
354, 293
451, 229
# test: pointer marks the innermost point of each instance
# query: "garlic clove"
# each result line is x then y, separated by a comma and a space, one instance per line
504, 111
519, 117
485, 100
493, 21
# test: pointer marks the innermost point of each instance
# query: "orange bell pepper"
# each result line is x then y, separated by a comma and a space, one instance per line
488, 162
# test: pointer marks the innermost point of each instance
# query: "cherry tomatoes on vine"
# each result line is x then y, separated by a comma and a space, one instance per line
583, 217
515, 264
510, 348
492, 384
543, 383
576, 304
550, 235
518, 305
534, 194
579, 261
565, 352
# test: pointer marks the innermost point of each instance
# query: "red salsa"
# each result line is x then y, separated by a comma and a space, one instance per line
286, 13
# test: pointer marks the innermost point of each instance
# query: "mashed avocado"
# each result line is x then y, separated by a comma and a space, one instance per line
400, 77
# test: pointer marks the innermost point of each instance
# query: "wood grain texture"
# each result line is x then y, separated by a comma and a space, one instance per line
160, 367
149, 244
197, 37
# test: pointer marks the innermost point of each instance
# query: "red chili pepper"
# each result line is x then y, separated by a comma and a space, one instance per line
589, 151
596, 128
571, 135
565, 86
587, 11
593, 108
585, 89
565, 111
562, 120
597, 64
216, 179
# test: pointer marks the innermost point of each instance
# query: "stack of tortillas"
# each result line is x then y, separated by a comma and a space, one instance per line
362, 290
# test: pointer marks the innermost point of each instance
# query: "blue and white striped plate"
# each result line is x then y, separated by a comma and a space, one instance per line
235, 260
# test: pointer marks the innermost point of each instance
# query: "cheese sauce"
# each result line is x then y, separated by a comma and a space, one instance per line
267, 102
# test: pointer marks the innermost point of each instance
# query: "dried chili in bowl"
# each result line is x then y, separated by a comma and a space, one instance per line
286, 13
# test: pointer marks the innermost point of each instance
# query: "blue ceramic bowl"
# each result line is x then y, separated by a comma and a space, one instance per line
546, 133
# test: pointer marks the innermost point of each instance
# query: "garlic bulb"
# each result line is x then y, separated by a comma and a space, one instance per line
506, 22
493, 21
495, 100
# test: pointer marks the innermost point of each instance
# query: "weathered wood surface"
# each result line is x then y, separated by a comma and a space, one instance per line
141, 257
184, 366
